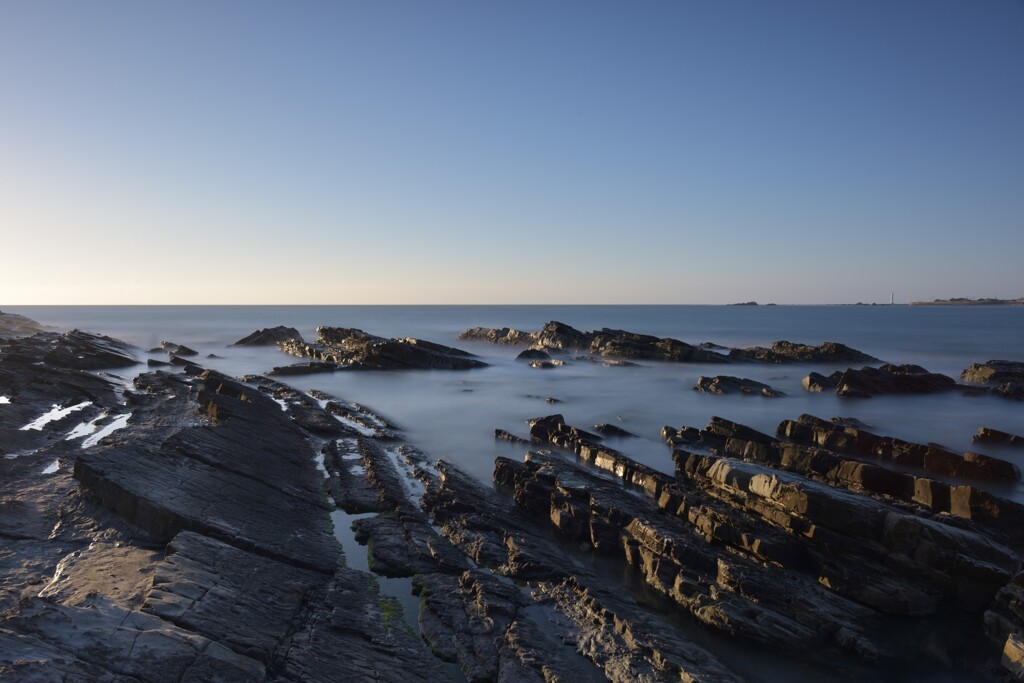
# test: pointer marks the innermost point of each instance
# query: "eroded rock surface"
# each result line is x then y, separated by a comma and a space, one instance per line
756, 517
1006, 378
269, 336
725, 384
559, 337
987, 435
194, 542
887, 379
352, 349
789, 352
14, 325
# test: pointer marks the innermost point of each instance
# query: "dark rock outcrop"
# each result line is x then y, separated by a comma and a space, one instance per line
724, 384
269, 336
792, 528
606, 429
1005, 377
620, 344
490, 626
546, 364
310, 368
789, 352
812, 431
237, 471
604, 342
502, 435
887, 379
994, 372
178, 349
987, 435
14, 325
195, 545
79, 350
352, 349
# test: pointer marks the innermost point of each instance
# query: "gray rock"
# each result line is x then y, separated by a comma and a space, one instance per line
349, 348
789, 352
269, 336
603, 343
725, 384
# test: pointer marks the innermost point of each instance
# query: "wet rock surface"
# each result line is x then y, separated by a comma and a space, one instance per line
808, 430
559, 337
994, 372
789, 352
270, 336
724, 384
352, 349
887, 379
181, 350
14, 325
1006, 378
193, 543
756, 516
987, 435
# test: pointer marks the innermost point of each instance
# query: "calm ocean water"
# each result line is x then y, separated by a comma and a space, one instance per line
453, 414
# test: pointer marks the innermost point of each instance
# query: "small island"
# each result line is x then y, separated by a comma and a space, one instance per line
961, 301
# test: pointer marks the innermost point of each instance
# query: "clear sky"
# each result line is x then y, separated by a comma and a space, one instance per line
511, 152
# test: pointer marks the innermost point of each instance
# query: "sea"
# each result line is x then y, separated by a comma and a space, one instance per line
453, 414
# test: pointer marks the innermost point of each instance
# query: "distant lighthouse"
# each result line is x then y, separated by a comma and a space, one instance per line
892, 298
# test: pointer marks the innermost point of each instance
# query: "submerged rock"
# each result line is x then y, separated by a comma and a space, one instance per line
546, 364
533, 354
606, 429
312, 367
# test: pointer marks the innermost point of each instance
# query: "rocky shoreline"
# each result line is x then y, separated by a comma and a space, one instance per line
182, 528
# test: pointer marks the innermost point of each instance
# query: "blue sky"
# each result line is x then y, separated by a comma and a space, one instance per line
527, 152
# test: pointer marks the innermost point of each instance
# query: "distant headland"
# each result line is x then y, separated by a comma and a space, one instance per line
970, 302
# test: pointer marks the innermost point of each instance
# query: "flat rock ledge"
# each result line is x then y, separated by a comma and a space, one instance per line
194, 543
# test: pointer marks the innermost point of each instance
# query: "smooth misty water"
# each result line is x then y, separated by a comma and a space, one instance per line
453, 414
